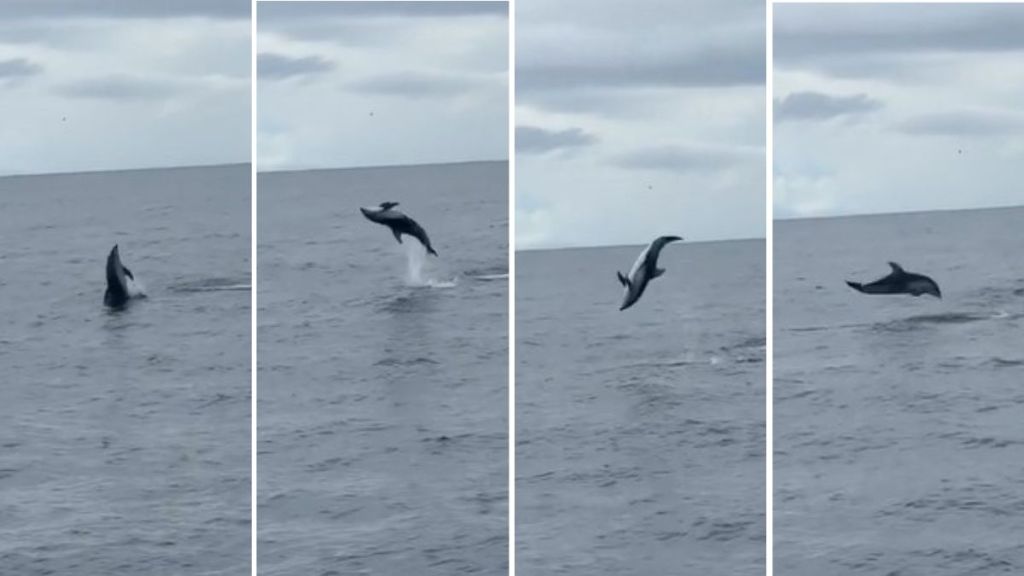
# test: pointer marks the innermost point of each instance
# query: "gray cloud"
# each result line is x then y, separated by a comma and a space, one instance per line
818, 106
118, 87
963, 123
684, 159
283, 11
741, 63
835, 38
279, 66
18, 68
65, 9
533, 140
413, 85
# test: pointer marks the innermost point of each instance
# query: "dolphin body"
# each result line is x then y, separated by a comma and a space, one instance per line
399, 223
899, 281
644, 270
118, 293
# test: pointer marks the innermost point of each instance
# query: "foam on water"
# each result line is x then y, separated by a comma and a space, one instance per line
417, 268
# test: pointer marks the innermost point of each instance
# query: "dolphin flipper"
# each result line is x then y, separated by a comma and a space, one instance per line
657, 272
622, 279
127, 272
398, 235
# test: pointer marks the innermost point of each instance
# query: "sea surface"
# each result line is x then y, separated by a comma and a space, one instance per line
125, 436
899, 421
383, 373
640, 445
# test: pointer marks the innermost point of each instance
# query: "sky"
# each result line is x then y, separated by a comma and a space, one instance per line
894, 108
122, 84
350, 84
638, 119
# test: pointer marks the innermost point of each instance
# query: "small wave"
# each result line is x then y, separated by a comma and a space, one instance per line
212, 285
403, 362
489, 277
431, 283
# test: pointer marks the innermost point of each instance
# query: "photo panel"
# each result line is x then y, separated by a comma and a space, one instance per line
640, 288
898, 286
124, 293
383, 287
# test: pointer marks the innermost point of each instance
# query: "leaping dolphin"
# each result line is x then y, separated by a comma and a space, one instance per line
899, 281
118, 291
399, 223
644, 270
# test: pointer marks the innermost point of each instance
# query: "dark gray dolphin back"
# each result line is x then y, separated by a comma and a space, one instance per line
399, 224
116, 295
899, 281
651, 261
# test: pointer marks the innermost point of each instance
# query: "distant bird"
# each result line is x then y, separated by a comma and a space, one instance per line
399, 223
644, 270
899, 281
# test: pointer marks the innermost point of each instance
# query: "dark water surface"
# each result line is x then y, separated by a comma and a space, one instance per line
899, 421
640, 434
383, 374
125, 435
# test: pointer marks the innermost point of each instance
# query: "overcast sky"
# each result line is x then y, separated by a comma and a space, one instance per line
637, 119
348, 84
116, 84
890, 108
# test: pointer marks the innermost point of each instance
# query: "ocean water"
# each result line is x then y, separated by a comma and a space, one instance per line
383, 374
640, 434
125, 444
899, 421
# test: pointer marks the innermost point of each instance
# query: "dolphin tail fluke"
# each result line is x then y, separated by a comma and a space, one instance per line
855, 285
622, 279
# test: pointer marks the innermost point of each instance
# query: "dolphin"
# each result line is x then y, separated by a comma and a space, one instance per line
899, 281
118, 292
399, 223
644, 270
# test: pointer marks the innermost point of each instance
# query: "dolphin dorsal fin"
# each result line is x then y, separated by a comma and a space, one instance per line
896, 268
622, 279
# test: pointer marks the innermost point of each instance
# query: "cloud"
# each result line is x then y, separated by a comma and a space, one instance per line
413, 84
533, 140
117, 87
737, 64
18, 68
280, 67
283, 11
67, 9
818, 106
685, 158
868, 41
963, 123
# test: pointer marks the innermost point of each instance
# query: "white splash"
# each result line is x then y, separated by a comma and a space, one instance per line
417, 273
135, 288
